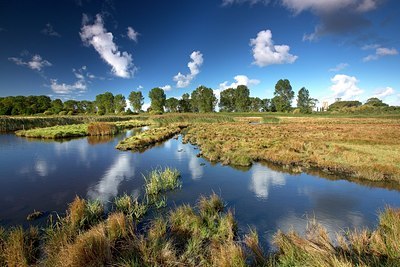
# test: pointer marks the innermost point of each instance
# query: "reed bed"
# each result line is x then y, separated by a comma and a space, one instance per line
366, 148
204, 235
150, 137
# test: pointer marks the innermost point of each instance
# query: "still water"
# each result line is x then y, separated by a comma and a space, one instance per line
46, 175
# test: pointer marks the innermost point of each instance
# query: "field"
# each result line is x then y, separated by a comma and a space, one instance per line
367, 148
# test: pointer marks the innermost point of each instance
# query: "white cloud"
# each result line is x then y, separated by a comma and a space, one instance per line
145, 106
102, 41
382, 93
166, 87
329, 5
345, 87
339, 67
62, 88
132, 34
194, 66
266, 53
240, 80
49, 30
370, 46
36, 63
381, 52
263, 178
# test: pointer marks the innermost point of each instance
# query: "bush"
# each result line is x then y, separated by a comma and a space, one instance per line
48, 113
62, 113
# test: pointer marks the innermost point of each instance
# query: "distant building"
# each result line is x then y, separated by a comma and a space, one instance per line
325, 106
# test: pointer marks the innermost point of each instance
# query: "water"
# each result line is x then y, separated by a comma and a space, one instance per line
47, 175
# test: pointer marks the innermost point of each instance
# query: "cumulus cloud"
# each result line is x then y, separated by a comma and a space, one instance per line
80, 85
132, 34
35, 63
166, 87
49, 30
337, 16
339, 67
102, 41
385, 92
240, 80
345, 87
194, 67
381, 52
266, 53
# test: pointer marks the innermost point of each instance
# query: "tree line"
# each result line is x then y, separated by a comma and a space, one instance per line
202, 99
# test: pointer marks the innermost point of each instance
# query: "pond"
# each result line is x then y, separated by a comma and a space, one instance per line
47, 175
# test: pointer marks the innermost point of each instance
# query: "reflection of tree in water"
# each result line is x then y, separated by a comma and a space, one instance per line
94, 140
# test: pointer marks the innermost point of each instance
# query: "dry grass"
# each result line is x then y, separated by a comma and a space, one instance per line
361, 147
102, 128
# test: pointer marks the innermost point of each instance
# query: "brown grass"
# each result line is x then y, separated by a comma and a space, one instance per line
364, 148
102, 128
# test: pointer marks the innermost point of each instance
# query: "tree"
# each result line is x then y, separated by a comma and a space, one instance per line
242, 98
256, 104
105, 103
375, 102
284, 94
119, 103
203, 99
227, 100
338, 105
304, 102
172, 104
266, 105
71, 106
136, 100
157, 97
57, 106
184, 103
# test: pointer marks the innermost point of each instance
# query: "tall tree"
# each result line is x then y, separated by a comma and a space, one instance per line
304, 102
266, 105
375, 102
227, 100
57, 106
184, 103
136, 100
157, 97
256, 104
105, 103
242, 98
284, 94
172, 104
203, 99
119, 103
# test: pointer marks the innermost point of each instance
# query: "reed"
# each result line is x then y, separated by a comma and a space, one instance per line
161, 180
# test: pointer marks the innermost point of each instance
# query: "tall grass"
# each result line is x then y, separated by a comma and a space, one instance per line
101, 128
161, 180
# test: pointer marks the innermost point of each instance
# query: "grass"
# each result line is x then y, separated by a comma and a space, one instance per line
79, 130
141, 141
204, 235
367, 148
161, 180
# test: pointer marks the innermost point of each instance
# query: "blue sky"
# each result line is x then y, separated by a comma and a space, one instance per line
78, 49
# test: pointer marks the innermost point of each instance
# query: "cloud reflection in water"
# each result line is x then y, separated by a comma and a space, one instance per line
262, 178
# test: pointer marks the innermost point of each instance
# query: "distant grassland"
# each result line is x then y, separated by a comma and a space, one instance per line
11, 124
366, 148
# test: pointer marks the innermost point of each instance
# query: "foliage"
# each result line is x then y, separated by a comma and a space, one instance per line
227, 100
172, 104
24, 105
304, 102
242, 98
185, 103
105, 103
119, 103
283, 95
338, 105
256, 104
203, 100
157, 97
375, 102
136, 99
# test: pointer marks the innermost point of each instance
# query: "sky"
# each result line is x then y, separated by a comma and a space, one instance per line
76, 49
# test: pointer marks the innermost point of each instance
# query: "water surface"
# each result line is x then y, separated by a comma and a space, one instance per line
46, 175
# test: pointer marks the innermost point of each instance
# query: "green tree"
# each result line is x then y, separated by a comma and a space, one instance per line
71, 106
304, 102
256, 104
242, 98
119, 103
136, 99
375, 102
266, 105
203, 99
157, 97
172, 104
105, 103
57, 106
184, 103
284, 94
227, 100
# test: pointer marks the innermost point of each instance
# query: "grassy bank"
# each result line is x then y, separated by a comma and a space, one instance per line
150, 137
367, 148
11, 124
77, 130
204, 235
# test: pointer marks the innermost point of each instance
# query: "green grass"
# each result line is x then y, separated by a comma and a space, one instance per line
161, 180
143, 140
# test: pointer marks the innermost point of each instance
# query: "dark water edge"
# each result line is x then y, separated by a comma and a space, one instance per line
46, 175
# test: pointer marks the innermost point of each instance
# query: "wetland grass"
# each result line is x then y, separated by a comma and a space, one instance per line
366, 148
